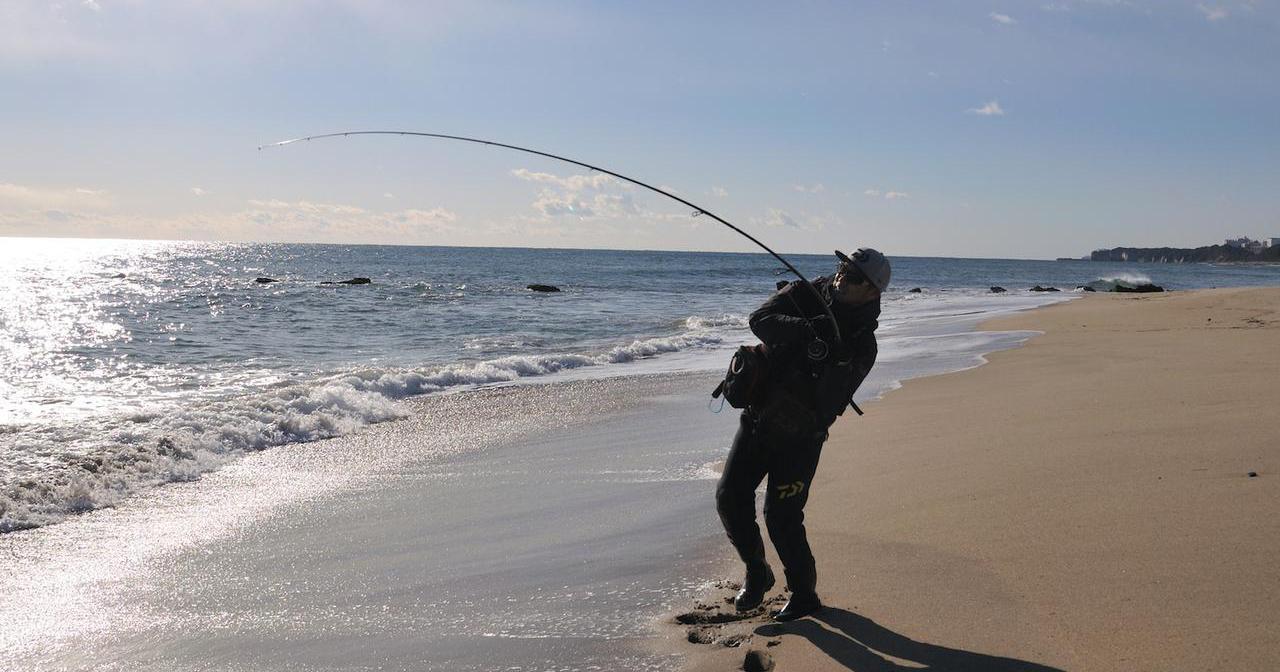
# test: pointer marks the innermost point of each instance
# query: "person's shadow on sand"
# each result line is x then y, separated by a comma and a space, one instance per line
861, 645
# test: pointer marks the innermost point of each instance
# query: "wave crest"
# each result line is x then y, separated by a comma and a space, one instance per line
163, 444
1128, 280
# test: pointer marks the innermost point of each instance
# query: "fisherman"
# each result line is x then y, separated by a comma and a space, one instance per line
812, 379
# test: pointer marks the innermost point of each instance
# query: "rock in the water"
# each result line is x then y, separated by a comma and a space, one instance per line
543, 288
1253, 474
757, 661
1038, 288
1142, 289
118, 276
998, 290
1085, 288
263, 281
914, 290
352, 281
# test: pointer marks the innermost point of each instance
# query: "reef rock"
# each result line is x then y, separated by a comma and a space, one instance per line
1038, 288
998, 290
1143, 288
543, 288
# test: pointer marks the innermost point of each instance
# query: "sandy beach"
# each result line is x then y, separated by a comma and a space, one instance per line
1084, 502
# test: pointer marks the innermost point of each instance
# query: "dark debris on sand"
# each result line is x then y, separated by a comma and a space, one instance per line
703, 634
757, 661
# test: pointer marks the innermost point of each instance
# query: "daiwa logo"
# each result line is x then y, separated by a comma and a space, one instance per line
790, 489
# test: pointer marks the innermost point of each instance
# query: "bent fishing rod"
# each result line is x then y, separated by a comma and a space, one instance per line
697, 209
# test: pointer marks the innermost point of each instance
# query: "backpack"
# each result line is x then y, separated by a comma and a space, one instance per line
747, 380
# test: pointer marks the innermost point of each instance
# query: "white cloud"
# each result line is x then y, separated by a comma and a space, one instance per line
779, 218
310, 208
261, 220
807, 189
572, 182
198, 191
1069, 6
1212, 13
991, 109
273, 203
552, 204
92, 4
888, 194
720, 191
388, 195
1003, 19
17, 197
592, 196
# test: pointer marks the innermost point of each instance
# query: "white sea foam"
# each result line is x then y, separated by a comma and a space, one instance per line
715, 321
1108, 283
166, 443
178, 441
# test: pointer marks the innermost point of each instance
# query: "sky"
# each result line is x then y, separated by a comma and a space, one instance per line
1009, 129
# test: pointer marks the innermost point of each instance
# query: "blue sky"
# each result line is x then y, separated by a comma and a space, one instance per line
1003, 129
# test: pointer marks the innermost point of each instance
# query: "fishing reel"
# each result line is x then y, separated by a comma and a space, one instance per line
817, 350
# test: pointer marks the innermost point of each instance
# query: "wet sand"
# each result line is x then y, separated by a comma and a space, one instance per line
532, 527
1081, 503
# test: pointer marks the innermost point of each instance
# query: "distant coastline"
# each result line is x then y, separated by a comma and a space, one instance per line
1175, 255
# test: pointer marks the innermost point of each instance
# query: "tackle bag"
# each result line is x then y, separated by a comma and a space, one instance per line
747, 379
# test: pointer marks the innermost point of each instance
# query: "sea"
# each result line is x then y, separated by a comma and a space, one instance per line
139, 374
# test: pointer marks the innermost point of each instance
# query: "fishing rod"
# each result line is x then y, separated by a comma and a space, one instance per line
697, 209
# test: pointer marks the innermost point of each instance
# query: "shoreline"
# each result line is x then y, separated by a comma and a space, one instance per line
321, 474
886, 482
416, 544
1081, 502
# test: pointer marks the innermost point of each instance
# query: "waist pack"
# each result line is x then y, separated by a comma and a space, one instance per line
747, 379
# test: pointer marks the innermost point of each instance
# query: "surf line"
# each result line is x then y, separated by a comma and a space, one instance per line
697, 209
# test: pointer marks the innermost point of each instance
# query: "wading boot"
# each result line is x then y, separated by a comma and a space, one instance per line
758, 582
799, 606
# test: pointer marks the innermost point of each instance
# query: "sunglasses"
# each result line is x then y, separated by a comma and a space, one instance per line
851, 273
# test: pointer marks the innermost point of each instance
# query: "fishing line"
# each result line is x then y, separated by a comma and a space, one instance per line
697, 209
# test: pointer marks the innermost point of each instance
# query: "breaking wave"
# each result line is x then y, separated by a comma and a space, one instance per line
146, 447
1127, 280
716, 321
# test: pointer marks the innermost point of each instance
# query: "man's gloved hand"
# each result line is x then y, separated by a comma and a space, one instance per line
824, 328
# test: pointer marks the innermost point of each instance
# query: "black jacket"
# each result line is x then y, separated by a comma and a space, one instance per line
805, 394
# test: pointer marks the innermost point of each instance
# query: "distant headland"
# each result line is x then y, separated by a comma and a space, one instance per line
1232, 250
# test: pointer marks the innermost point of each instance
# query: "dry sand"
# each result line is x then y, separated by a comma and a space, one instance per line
1080, 503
